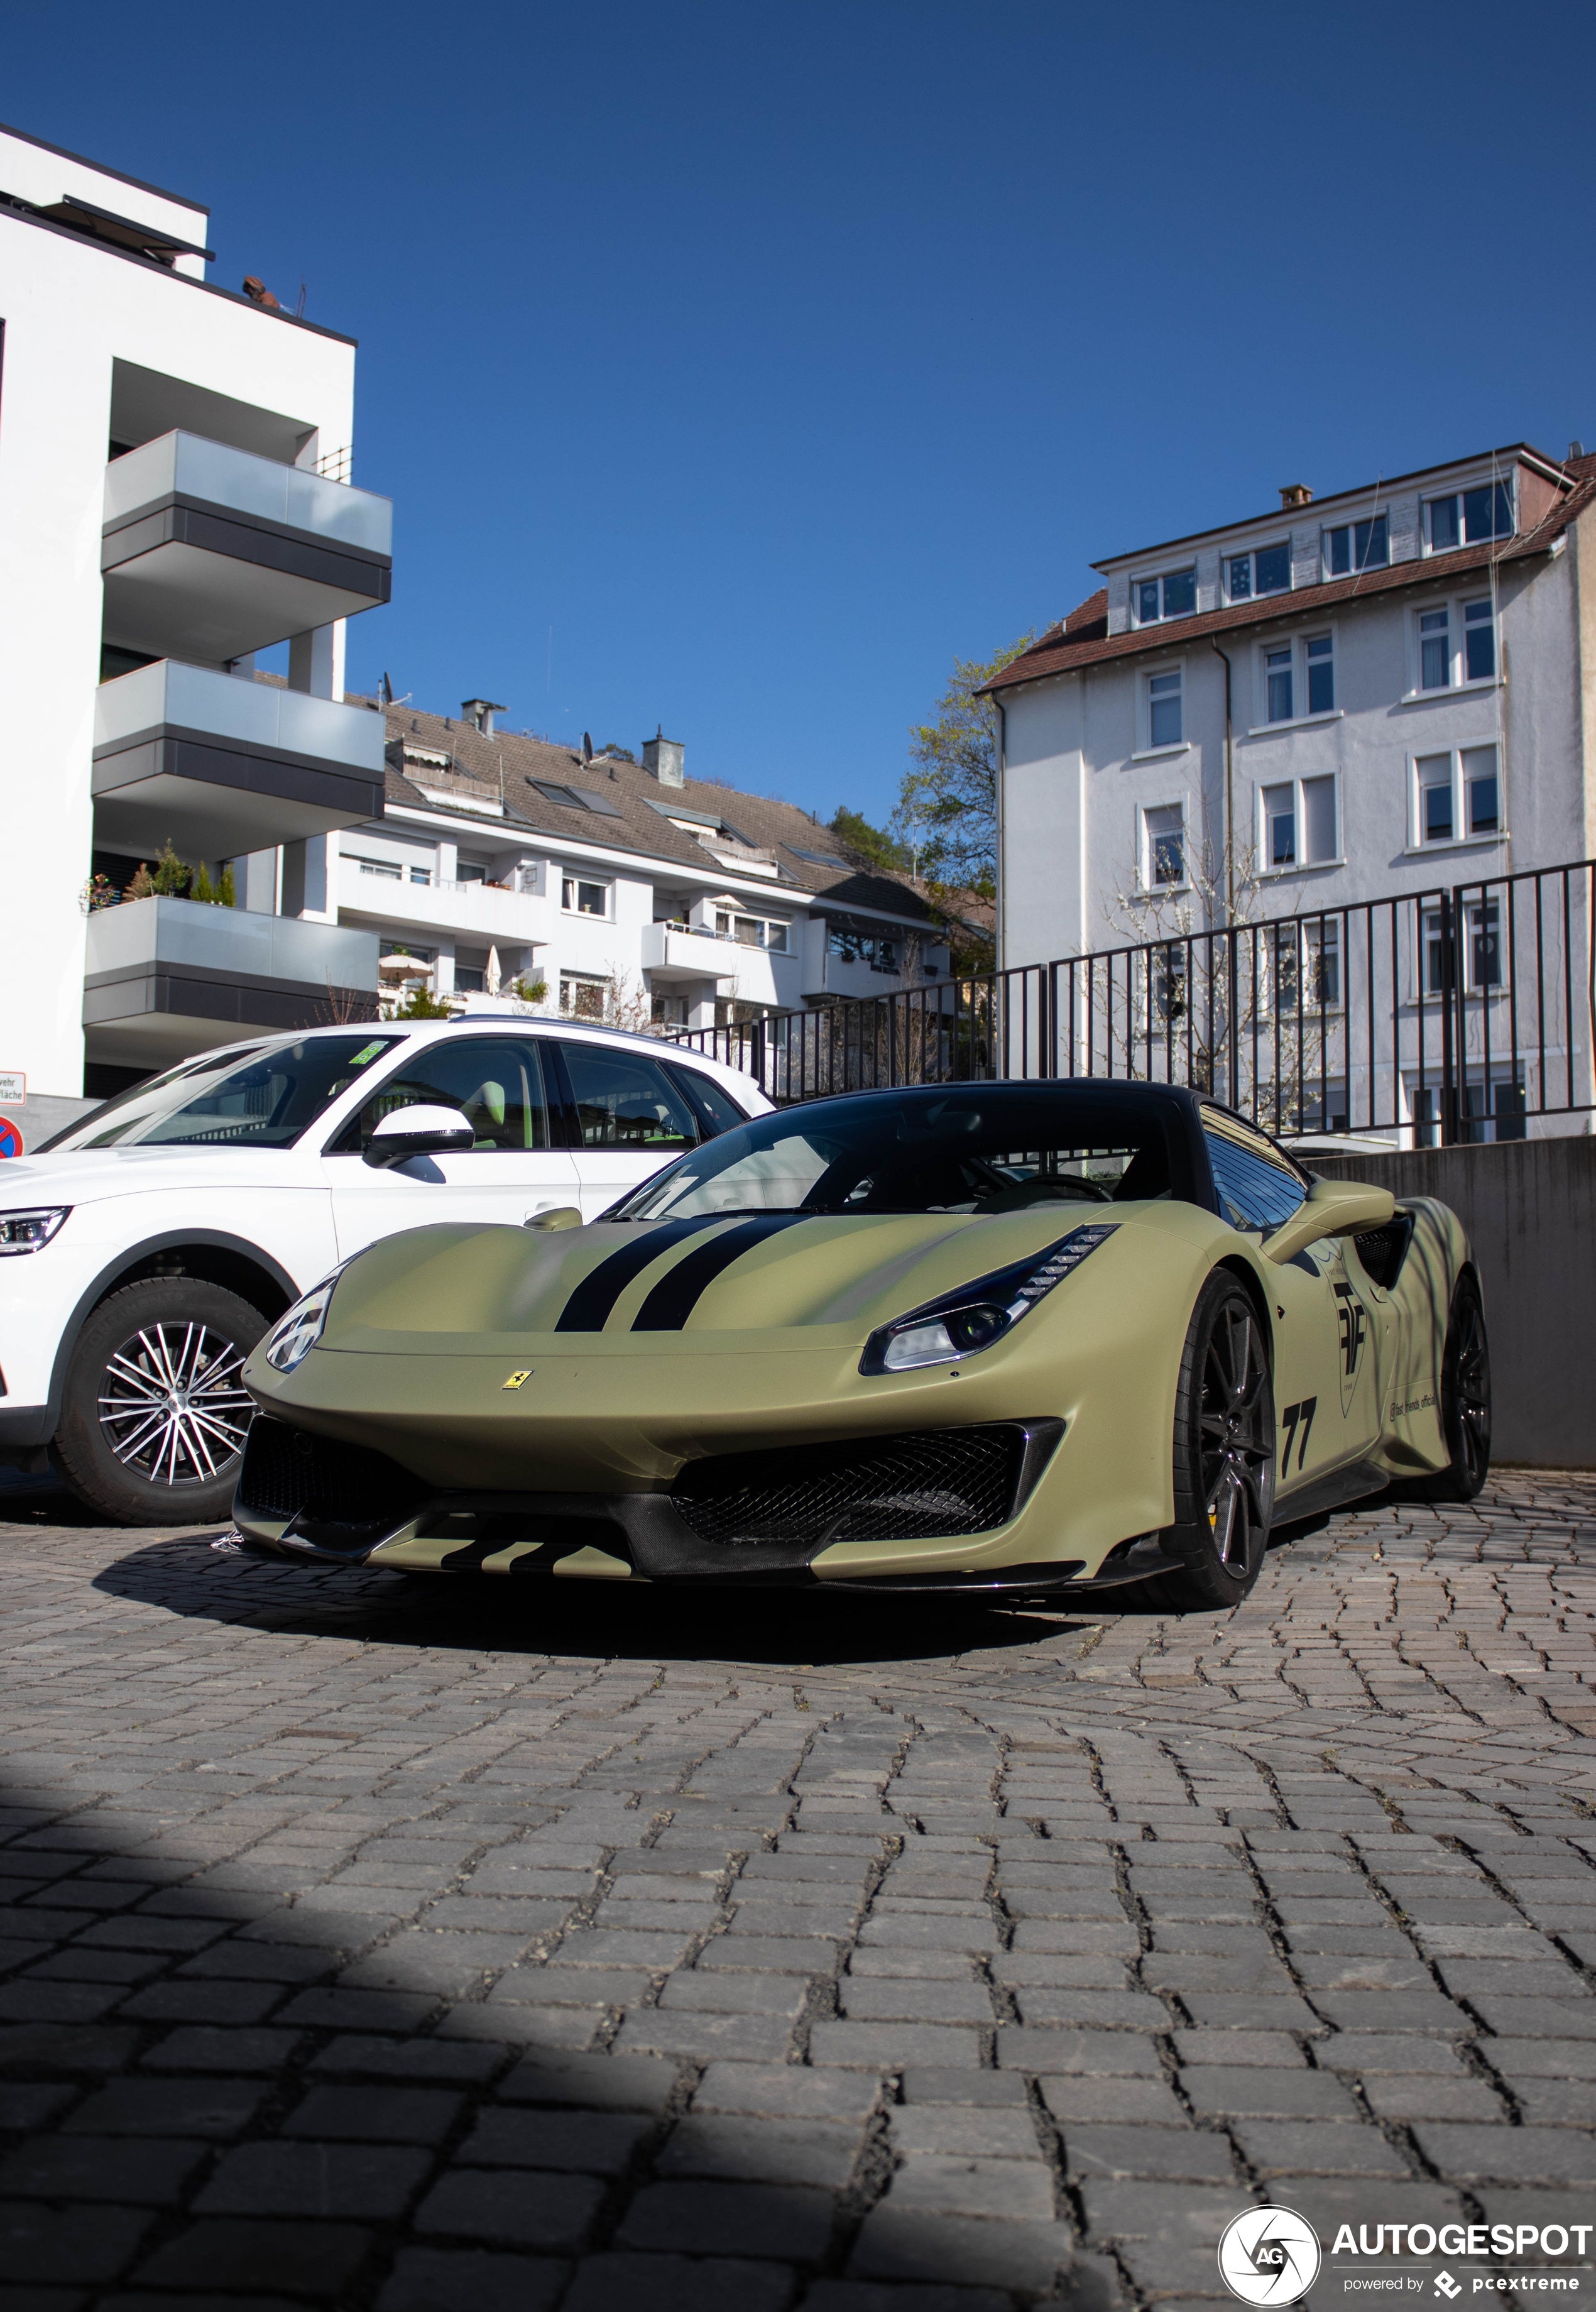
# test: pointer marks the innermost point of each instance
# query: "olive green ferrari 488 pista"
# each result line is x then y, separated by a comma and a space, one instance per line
1020, 1338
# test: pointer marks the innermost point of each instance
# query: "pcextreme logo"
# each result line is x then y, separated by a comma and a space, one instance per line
1268, 2255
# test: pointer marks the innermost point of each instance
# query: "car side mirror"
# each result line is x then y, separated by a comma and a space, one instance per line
418, 1131
1333, 1208
563, 1216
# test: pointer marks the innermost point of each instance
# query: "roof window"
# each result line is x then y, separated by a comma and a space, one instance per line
576, 797
1172, 596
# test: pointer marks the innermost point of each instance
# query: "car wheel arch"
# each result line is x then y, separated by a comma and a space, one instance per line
210, 1256
1253, 1285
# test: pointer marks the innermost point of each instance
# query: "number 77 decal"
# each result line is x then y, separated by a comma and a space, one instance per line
1292, 1415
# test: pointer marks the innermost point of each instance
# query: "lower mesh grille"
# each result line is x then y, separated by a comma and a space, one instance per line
914, 1488
289, 1473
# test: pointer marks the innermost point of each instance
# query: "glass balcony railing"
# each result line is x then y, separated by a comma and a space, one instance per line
246, 716
160, 933
235, 481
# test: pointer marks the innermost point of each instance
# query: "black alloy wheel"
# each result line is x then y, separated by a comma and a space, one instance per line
1465, 1400
1224, 1455
155, 1412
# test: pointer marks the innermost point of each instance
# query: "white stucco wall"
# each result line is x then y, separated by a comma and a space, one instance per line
70, 309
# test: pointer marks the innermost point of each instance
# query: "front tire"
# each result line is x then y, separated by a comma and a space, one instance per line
154, 1415
1224, 1455
1465, 1400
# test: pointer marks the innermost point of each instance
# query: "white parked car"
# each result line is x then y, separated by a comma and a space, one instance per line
144, 1251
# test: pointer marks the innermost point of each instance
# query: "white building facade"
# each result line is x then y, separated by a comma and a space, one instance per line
1354, 698
506, 868
174, 497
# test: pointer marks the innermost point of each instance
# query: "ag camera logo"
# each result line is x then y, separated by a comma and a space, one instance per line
1268, 2255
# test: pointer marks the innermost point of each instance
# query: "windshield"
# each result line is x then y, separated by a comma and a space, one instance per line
987, 1148
264, 1098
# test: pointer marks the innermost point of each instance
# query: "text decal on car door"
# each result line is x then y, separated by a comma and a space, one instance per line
1353, 1333
1303, 1413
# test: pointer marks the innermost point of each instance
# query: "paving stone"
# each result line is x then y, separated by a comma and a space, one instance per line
923, 2083
903, 2243
752, 2220
1185, 2154
62, 2246
618, 2282
786, 2090
1508, 2155
313, 2179
876, 1999
1258, 2091
585, 2142
384, 2114
1294, 2147
199, 2047
998, 2135
952, 2184
470, 2279
814, 2151
304, 2259
511, 2207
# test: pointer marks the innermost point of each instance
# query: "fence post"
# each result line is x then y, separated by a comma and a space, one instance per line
1451, 1017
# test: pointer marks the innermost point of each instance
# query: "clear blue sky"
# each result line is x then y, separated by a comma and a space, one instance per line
774, 355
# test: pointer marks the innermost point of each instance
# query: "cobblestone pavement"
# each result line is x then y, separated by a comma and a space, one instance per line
377, 1942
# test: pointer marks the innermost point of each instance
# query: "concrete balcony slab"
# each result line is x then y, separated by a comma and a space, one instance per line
222, 767
210, 552
164, 977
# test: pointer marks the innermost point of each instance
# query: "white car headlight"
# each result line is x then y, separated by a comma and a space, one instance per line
296, 1333
26, 1230
947, 1330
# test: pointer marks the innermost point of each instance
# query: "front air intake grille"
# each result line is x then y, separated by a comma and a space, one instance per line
915, 1488
289, 1473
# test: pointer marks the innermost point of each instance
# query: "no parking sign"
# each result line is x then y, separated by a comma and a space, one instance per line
11, 1137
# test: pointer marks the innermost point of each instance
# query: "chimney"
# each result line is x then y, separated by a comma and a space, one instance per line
479, 714
1297, 494
662, 759
1575, 450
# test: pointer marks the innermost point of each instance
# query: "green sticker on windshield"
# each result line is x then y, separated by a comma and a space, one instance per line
361, 1058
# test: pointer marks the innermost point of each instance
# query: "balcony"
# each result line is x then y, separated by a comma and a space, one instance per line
484, 912
221, 767
211, 553
165, 977
673, 956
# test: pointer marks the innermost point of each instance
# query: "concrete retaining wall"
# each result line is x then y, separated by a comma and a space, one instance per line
1529, 1208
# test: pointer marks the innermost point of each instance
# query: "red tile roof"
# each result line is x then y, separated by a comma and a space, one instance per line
1083, 639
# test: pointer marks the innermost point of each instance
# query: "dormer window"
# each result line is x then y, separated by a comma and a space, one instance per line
1267, 570
1357, 546
1469, 517
1172, 596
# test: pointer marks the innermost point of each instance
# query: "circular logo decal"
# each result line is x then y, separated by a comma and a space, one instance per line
1268, 2255
11, 1137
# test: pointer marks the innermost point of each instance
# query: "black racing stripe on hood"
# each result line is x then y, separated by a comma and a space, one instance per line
589, 1309
676, 1295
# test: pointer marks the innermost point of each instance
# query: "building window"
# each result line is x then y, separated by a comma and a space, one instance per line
1163, 848
421, 874
1458, 796
1479, 641
752, 930
1480, 924
581, 996
1172, 596
1357, 546
1319, 651
385, 868
1298, 823
1267, 570
579, 899
669, 1010
1165, 713
1434, 650
1469, 517
1277, 678
863, 947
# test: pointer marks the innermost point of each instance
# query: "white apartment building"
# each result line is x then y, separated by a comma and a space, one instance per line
610, 888
174, 497
1382, 692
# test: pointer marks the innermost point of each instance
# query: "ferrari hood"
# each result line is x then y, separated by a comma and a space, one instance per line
745, 1274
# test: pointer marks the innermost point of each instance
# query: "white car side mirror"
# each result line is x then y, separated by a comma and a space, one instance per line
419, 1131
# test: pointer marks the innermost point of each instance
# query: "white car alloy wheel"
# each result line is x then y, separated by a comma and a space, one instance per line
171, 1406
154, 1412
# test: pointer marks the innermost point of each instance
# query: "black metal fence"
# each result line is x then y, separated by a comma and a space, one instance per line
1447, 1015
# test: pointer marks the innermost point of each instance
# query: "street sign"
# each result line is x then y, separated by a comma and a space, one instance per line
11, 1137
13, 1085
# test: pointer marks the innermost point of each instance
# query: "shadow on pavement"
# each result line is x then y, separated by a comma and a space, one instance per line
795, 1628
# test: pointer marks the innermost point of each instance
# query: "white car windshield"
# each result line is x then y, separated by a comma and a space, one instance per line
993, 1148
264, 1098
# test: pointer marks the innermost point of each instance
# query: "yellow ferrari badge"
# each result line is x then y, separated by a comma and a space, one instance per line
516, 1380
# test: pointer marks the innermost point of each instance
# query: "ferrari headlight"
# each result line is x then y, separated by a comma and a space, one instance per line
26, 1231
971, 1319
296, 1334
